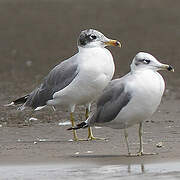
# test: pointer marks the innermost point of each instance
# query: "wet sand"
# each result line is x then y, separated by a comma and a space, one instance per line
45, 151
35, 36
83, 171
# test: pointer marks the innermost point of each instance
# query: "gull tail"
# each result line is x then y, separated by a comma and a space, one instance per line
79, 126
21, 100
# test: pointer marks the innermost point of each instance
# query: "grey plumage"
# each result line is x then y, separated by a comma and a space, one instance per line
78, 80
88, 36
111, 102
58, 78
64, 73
109, 105
131, 99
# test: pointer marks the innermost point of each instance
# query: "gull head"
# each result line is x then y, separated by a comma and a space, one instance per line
92, 38
143, 61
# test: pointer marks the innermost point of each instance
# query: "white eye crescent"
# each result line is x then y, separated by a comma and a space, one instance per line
146, 61
93, 37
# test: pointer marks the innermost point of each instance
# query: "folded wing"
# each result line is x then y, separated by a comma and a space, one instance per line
58, 78
113, 100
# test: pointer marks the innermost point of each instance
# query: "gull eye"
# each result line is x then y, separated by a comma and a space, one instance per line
93, 36
146, 61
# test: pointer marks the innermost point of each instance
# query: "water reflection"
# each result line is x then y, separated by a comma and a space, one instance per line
89, 171
142, 169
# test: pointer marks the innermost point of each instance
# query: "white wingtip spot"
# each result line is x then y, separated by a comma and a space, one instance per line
39, 108
10, 104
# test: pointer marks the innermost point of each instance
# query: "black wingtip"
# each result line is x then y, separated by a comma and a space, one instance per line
21, 100
71, 128
79, 126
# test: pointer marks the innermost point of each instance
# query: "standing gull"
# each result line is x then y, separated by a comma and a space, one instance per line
77, 80
131, 99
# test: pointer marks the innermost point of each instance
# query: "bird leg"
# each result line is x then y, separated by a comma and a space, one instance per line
141, 151
126, 139
74, 131
140, 139
90, 134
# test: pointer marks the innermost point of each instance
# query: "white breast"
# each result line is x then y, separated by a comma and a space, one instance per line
96, 69
148, 88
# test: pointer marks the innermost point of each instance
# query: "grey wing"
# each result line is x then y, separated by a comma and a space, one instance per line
112, 101
58, 78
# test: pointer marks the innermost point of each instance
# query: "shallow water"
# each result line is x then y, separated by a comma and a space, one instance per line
168, 170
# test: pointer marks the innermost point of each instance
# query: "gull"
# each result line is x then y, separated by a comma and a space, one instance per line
78, 80
131, 99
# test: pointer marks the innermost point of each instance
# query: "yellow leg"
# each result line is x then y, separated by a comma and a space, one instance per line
141, 151
90, 134
126, 139
140, 139
73, 125
74, 131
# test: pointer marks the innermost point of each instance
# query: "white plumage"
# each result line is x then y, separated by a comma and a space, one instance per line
96, 69
131, 99
77, 80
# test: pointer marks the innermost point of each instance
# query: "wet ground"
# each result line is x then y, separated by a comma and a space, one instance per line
166, 171
37, 35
